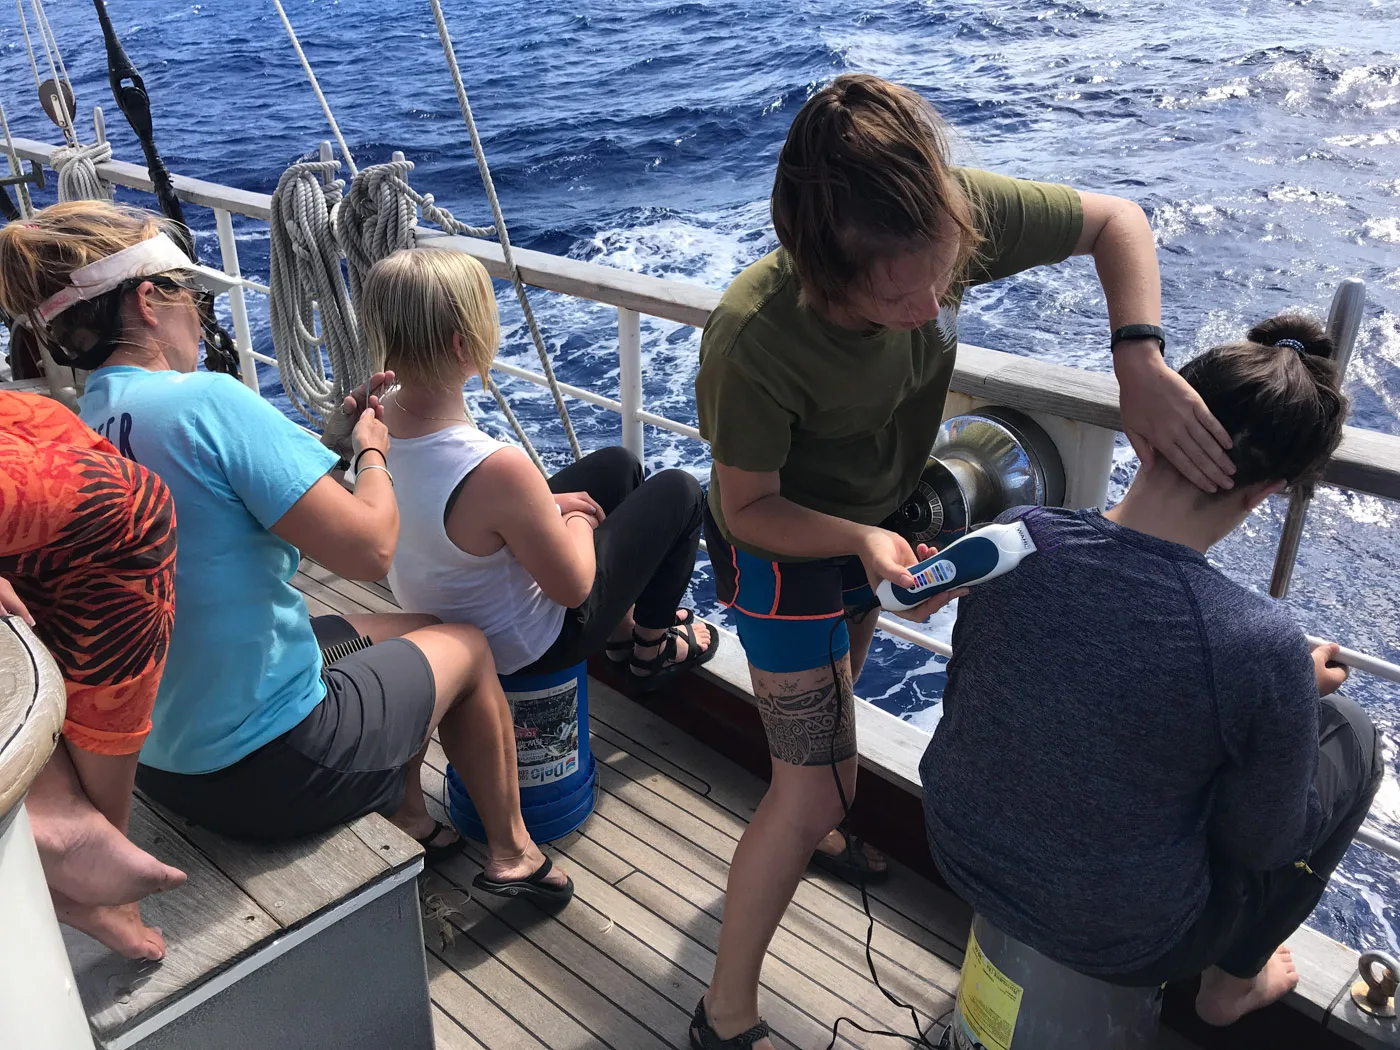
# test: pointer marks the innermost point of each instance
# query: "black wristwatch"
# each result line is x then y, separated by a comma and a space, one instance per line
1138, 331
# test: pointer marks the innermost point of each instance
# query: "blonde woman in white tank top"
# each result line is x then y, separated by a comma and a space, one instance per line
552, 571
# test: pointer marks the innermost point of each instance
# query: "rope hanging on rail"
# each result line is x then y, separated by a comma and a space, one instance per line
376, 218
306, 279
380, 215
502, 234
77, 172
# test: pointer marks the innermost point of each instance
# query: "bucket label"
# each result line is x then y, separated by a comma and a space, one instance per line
546, 733
988, 1002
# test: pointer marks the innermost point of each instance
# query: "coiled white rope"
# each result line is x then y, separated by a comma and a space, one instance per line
502, 235
377, 218
306, 280
77, 172
380, 214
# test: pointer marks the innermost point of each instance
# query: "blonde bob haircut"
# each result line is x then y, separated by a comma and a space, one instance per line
412, 304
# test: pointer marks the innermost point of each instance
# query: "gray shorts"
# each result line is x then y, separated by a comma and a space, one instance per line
348, 757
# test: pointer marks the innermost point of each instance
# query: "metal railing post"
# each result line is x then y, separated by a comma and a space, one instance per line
629, 360
242, 335
1343, 323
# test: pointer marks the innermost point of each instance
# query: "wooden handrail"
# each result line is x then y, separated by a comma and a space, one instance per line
1367, 461
33, 701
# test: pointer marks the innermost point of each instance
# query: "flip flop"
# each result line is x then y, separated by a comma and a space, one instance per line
850, 864
663, 671
433, 854
532, 887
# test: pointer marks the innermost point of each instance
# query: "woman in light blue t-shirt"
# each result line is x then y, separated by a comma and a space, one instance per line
269, 723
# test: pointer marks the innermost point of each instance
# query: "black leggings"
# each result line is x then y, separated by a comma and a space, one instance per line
1250, 913
645, 551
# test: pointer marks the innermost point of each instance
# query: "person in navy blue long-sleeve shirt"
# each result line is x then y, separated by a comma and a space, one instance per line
1139, 770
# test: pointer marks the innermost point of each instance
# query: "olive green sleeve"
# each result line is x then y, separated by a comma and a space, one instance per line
745, 425
1023, 223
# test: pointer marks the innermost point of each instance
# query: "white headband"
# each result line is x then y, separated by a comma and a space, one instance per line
156, 255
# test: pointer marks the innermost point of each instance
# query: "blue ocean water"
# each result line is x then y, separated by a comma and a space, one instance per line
1261, 136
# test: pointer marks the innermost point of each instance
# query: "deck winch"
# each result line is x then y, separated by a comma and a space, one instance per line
983, 462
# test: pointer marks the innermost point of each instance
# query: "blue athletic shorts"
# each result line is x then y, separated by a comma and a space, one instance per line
787, 609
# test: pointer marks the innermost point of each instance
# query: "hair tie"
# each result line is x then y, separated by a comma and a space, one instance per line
1293, 344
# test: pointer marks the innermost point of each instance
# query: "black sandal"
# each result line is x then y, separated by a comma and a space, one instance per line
532, 887
851, 864
662, 671
432, 854
704, 1037
620, 652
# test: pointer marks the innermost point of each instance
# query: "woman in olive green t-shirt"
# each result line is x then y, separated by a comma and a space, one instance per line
823, 373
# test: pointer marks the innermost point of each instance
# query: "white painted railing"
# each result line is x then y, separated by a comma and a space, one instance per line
1367, 461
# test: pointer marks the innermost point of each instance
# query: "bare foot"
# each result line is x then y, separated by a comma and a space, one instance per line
521, 866
119, 928
90, 862
1224, 999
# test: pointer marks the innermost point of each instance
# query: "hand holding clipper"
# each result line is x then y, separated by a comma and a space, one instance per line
979, 556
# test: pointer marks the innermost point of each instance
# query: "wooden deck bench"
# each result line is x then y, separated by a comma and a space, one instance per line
307, 945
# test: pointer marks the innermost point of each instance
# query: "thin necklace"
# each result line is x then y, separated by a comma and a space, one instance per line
398, 402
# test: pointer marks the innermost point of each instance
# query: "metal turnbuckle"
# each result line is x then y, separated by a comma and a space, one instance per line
1376, 996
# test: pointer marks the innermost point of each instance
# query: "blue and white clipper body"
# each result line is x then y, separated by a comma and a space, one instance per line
981, 555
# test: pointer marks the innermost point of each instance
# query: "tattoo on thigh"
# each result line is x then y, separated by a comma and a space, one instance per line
802, 724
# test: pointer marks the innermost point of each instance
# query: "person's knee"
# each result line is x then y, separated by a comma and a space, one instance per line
1354, 744
809, 797
679, 489
621, 461
459, 655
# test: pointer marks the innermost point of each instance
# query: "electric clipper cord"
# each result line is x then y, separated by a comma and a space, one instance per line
921, 1036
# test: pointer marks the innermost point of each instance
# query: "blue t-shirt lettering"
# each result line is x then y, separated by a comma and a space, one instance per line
243, 666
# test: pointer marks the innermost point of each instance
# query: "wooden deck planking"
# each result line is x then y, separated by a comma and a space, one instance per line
225, 922
449, 1035
593, 868
732, 789
624, 964
292, 880
457, 997
582, 945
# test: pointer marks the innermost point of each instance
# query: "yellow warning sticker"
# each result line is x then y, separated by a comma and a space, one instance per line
987, 999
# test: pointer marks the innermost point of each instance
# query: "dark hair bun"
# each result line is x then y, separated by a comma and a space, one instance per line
1299, 327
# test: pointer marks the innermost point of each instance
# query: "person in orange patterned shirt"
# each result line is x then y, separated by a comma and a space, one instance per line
87, 558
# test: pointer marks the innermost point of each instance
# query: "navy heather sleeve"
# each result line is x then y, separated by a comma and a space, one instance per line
1266, 812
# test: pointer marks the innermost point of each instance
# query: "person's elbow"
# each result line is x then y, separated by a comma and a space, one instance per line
1266, 846
574, 591
368, 556
379, 558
